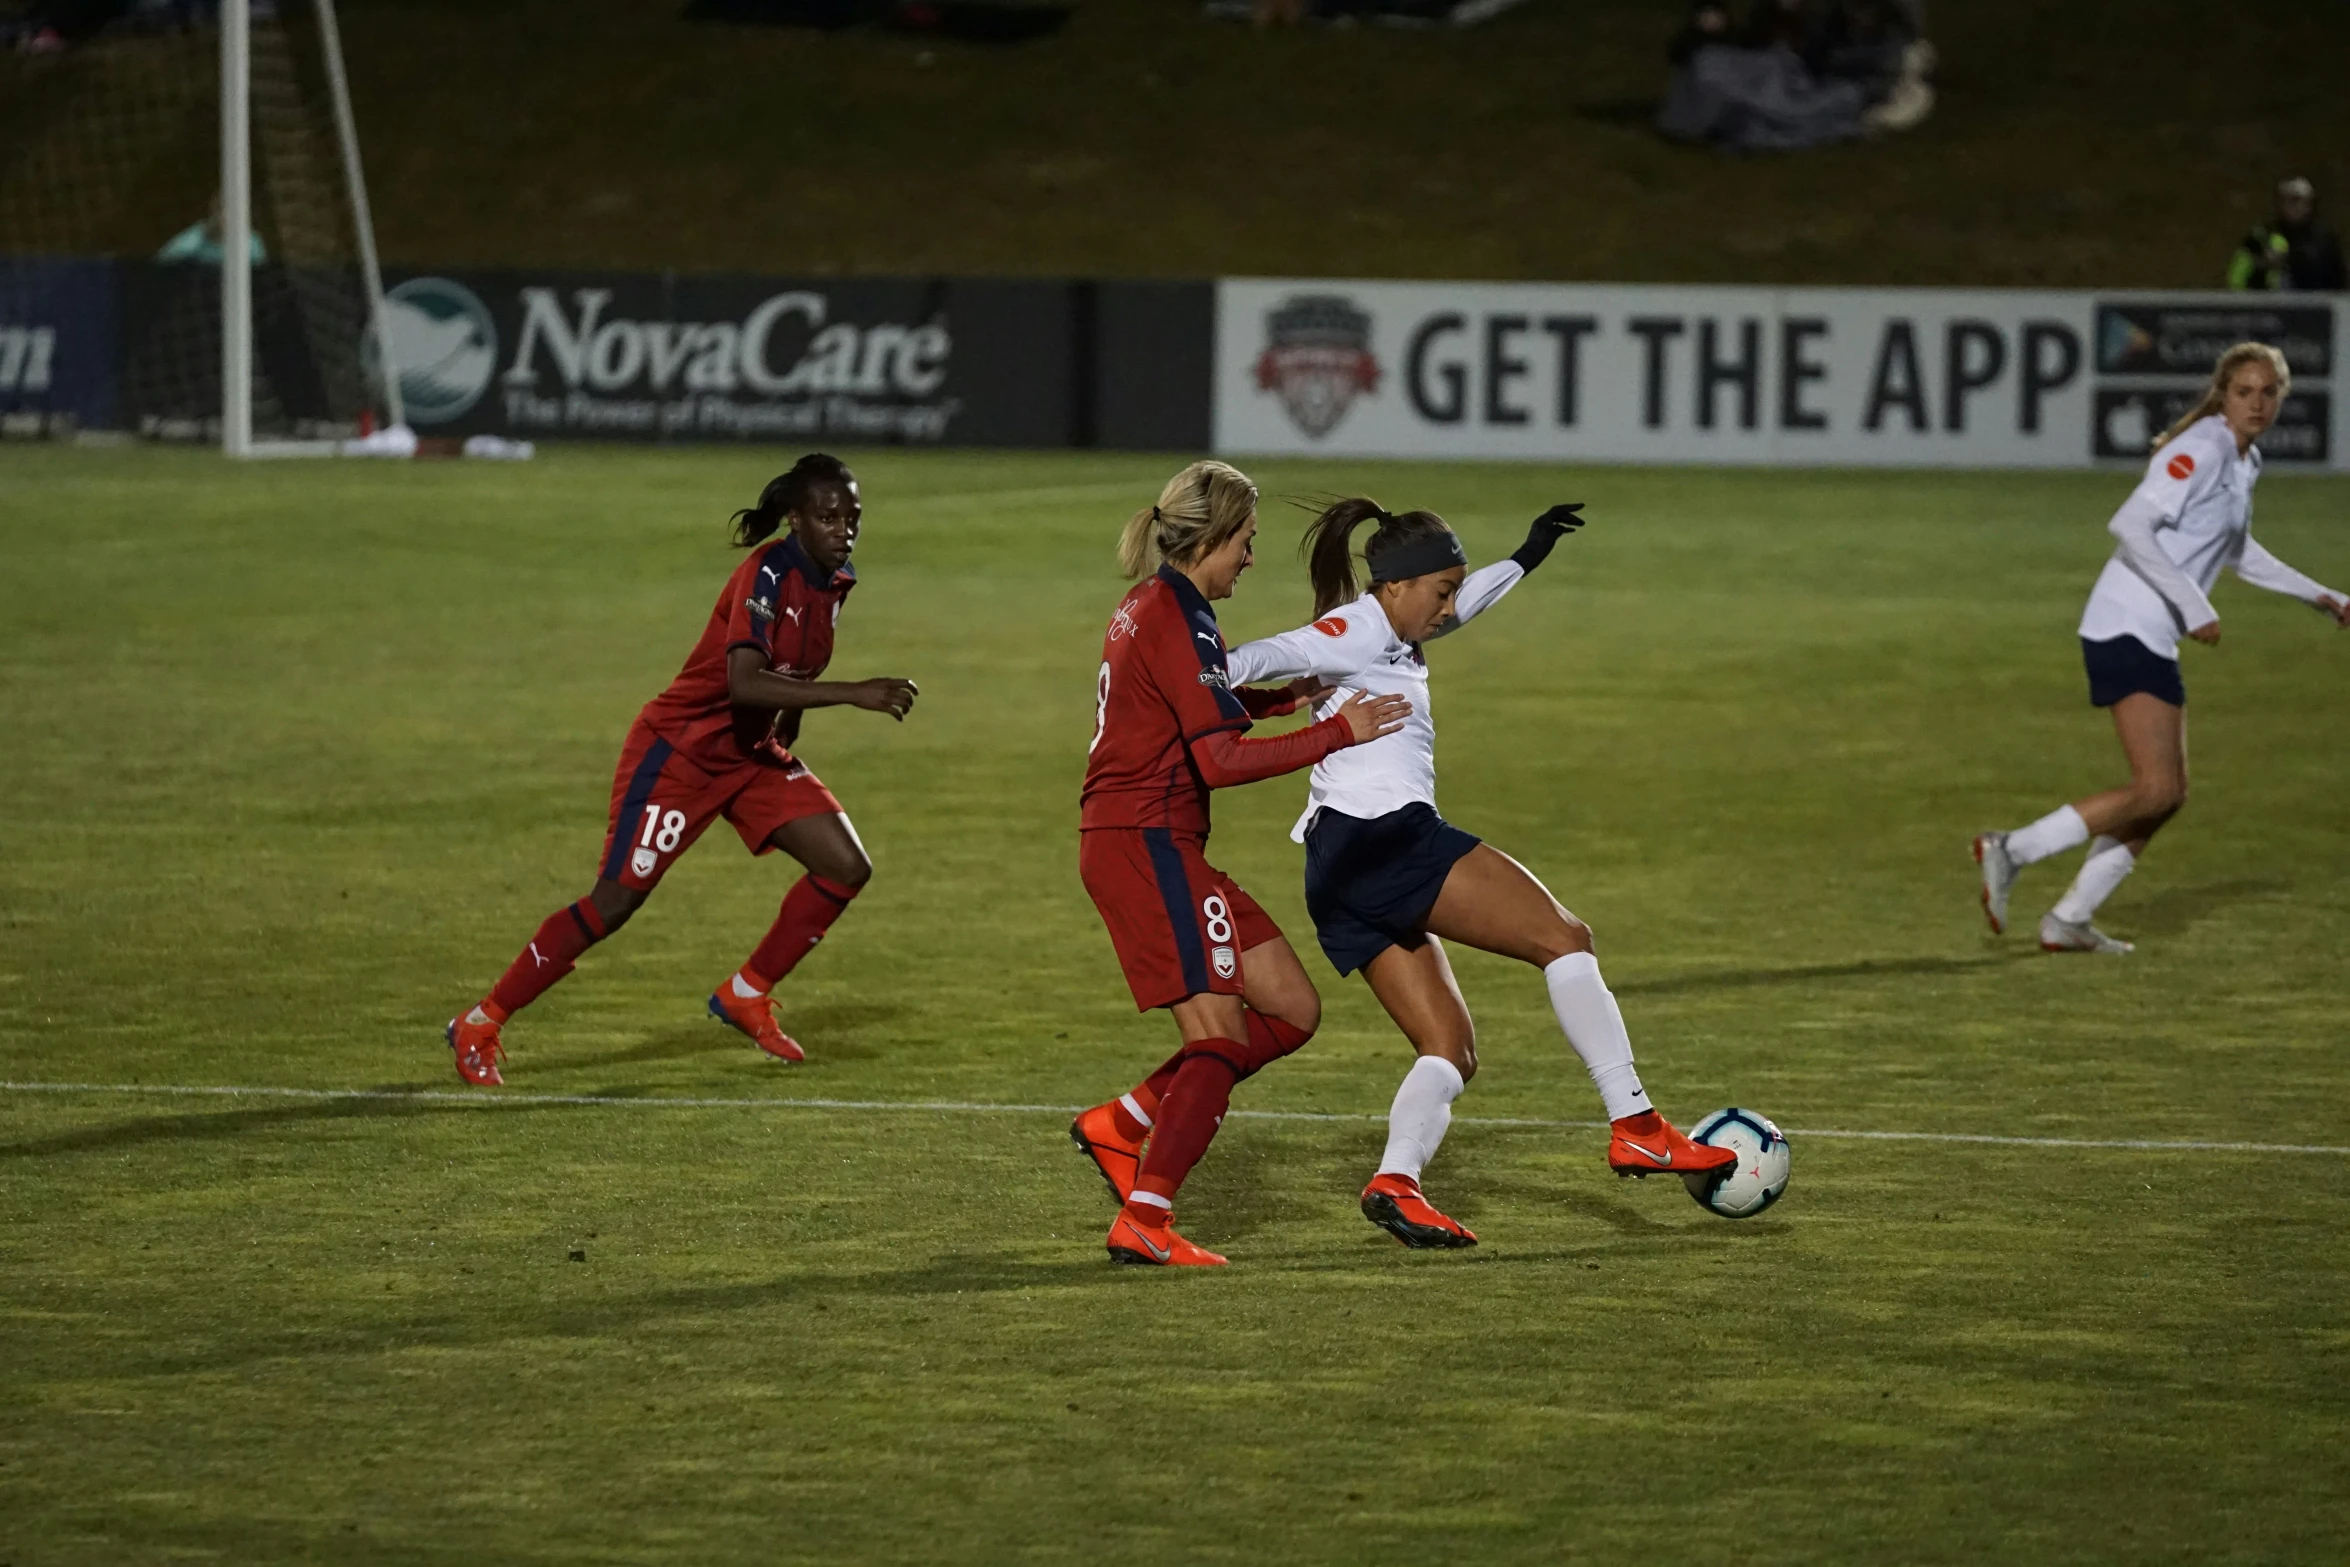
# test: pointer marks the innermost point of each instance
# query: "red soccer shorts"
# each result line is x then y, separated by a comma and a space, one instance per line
1178, 923
661, 801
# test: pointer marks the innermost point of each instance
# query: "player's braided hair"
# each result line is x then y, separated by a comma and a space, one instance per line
1329, 550
786, 493
1200, 508
2215, 396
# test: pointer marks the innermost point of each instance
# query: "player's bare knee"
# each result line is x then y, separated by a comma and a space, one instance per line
2156, 801
1569, 935
853, 868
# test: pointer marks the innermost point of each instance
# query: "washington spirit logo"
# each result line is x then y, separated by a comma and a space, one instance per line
1318, 359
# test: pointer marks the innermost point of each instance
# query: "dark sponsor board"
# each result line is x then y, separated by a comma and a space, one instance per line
60, 342
2128, 418
2186, 337
637, 356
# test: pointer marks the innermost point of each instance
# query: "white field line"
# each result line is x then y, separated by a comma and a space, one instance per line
494, 1100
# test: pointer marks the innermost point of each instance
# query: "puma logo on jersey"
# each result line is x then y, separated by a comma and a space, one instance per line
792, 613
1211, 639
768, 571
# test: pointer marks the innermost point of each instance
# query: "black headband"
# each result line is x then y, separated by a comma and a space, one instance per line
1418, 557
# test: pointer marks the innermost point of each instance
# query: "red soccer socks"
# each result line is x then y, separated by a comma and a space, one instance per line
1188, 1118
552, 953
809, 909
1269, 1039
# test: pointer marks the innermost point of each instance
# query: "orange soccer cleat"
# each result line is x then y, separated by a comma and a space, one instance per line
476, 1048
1155, 1246
1646, 1143
755, 1016
1118, 1157
1394, 1203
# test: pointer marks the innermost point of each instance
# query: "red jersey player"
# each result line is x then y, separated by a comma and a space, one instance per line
1168, 728
718, 743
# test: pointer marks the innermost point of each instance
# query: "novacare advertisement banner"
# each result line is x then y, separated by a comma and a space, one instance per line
1837, 377
650, 356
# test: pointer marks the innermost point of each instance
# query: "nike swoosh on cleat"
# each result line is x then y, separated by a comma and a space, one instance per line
1661, 1158
1160, 1252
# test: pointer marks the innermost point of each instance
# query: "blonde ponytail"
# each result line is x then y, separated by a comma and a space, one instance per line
1198, 510
2215, 396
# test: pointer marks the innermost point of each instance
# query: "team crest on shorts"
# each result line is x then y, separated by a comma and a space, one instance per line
1318, 359
643, 861
1226, 964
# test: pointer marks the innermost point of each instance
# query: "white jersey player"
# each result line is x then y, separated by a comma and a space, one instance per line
2188, 519
1386, 877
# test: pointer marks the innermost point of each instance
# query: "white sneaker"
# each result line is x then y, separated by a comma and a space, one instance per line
1904, 108
1998, 878
2064, 936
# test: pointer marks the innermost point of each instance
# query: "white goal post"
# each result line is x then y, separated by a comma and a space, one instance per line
236, 224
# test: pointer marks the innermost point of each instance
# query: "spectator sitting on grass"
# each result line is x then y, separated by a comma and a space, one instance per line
2292, 250
1792, 77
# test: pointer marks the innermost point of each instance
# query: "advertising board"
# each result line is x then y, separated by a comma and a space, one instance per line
1831, 377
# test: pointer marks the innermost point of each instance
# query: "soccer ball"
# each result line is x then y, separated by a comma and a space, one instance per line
1756, 1180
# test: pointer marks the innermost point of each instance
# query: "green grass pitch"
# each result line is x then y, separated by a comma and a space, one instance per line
293, 757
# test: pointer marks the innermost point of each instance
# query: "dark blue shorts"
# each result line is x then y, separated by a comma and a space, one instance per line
2125, 666
1370, 884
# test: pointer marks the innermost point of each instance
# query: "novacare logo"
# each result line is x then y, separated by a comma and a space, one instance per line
587, 350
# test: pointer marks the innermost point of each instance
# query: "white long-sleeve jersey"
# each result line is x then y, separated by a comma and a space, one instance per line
2189, 519
1355, 649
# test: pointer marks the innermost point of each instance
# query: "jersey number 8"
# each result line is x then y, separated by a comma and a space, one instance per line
1219, 915
1101, 707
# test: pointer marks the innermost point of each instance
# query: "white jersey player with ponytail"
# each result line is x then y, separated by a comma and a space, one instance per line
2188, 519
1388, 881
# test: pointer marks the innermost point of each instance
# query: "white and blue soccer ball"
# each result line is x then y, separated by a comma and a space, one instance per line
1746, 1188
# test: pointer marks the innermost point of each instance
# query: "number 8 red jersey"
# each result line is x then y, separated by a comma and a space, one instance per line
1162, 685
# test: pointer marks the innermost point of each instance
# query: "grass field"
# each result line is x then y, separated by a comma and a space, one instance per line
295, 756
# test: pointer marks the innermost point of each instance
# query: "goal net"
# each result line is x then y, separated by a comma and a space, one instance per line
125, 167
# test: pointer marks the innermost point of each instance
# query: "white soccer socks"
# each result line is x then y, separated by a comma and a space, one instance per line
1587, 1012
1421, 1112
2054, 833
2107, 867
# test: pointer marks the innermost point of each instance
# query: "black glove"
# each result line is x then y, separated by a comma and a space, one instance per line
1552, 526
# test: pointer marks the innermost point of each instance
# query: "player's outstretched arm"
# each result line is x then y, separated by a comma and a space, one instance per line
2263, 570
1225, 759
1483, 588
750, 683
